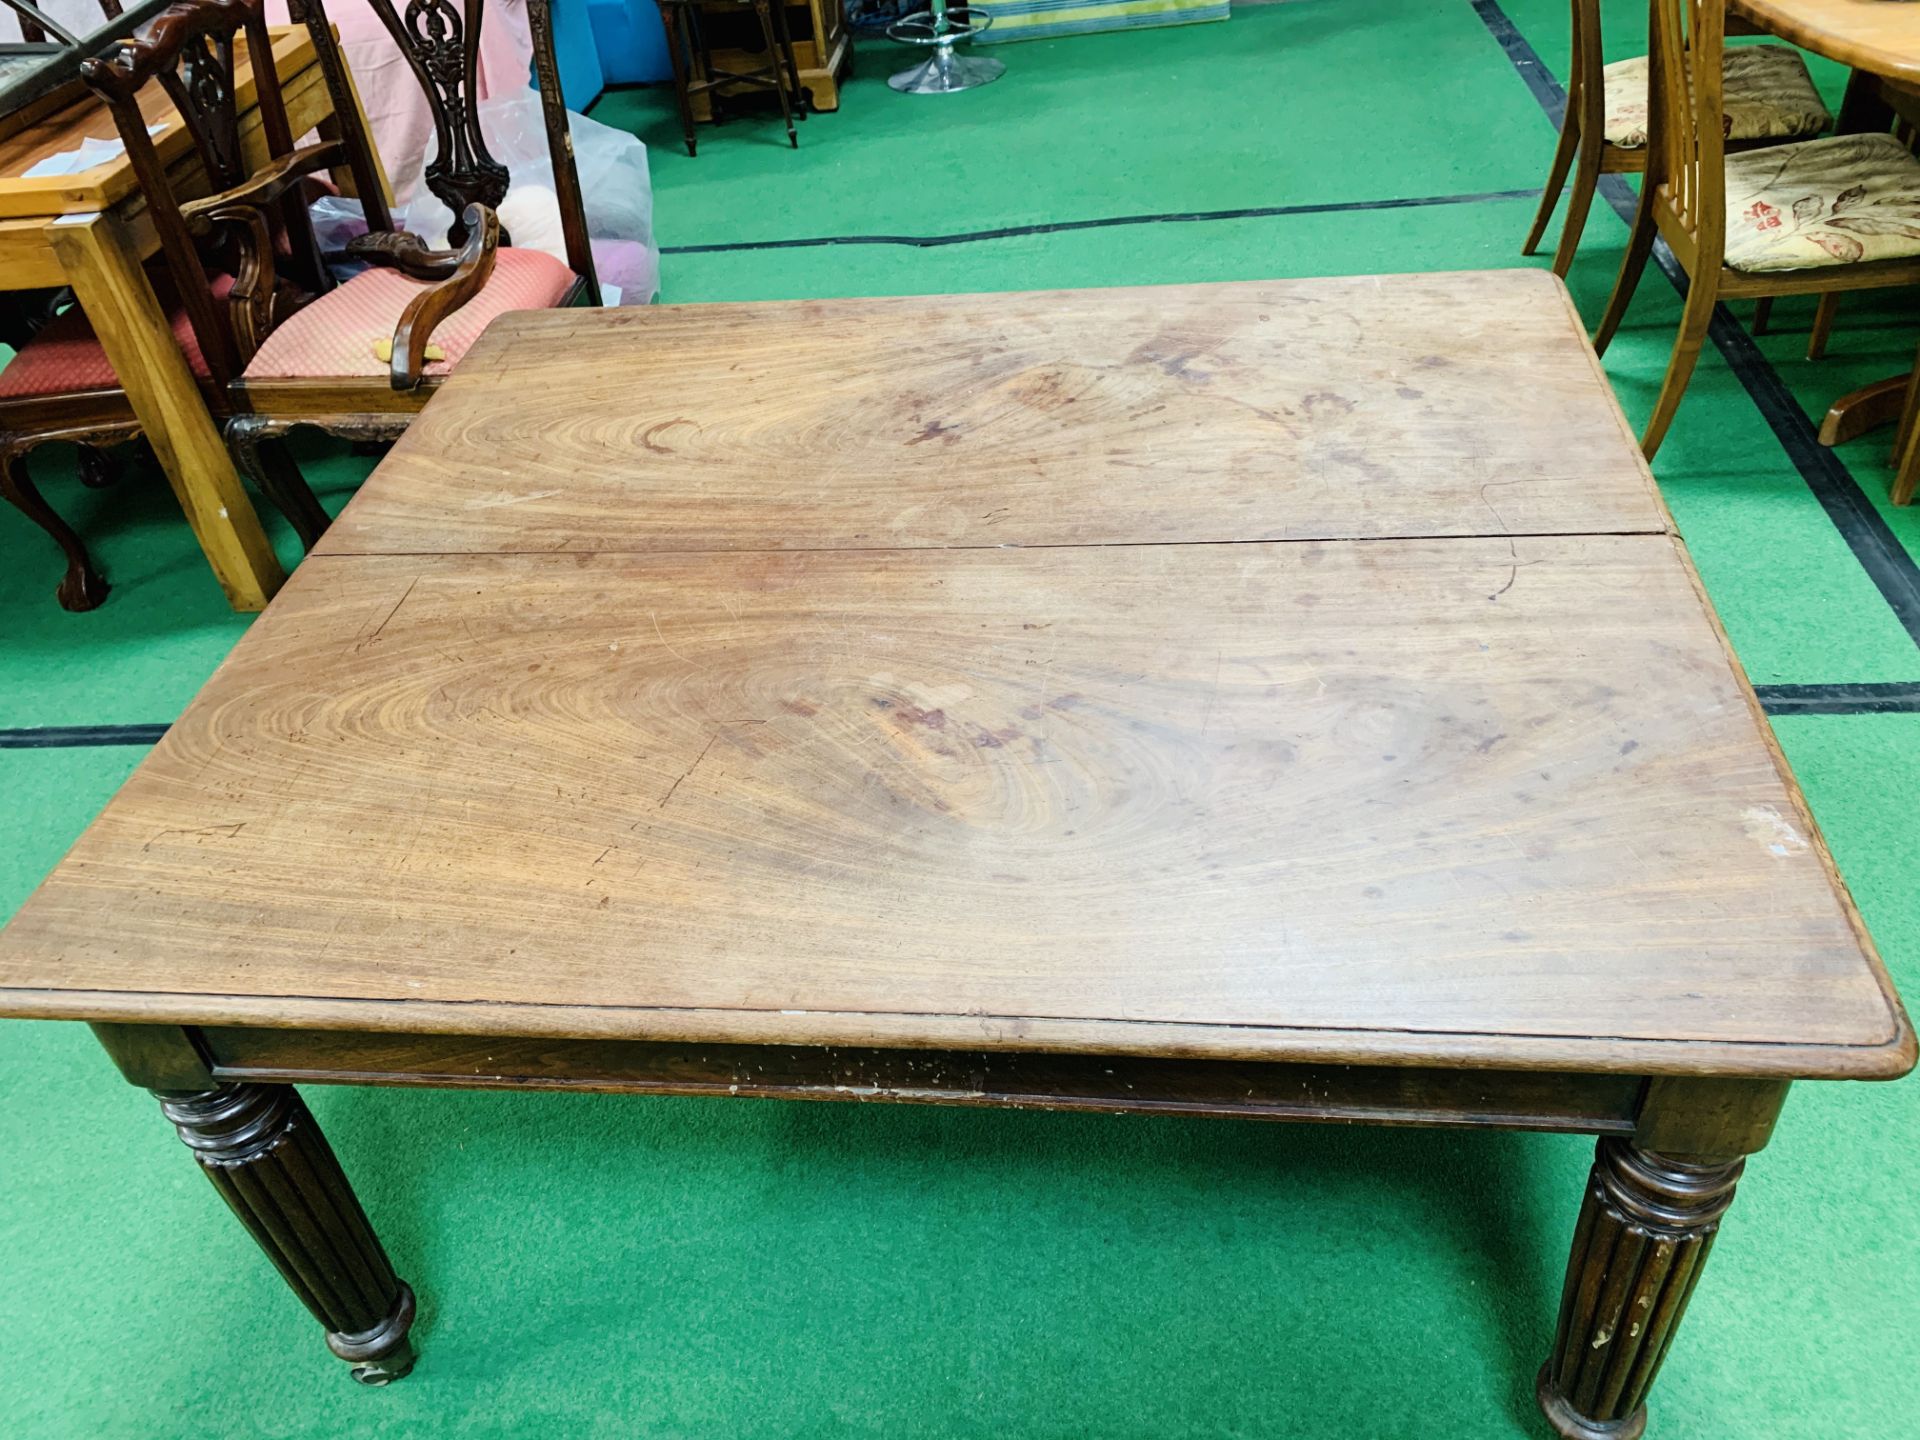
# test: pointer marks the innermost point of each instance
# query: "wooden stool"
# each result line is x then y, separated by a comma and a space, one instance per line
695, 73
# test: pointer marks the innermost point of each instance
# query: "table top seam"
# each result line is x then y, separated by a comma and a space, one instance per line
574, 551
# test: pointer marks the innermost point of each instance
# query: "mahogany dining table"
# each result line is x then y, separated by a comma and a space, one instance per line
1222, 700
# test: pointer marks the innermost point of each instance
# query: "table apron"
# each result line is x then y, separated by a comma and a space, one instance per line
1383, 1095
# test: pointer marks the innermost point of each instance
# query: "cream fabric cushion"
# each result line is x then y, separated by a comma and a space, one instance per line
1836, 201
1766, 90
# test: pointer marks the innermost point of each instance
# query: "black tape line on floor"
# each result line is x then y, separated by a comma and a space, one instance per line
65, 737
1877, 549
1524, 58
1181, 217
1897, 697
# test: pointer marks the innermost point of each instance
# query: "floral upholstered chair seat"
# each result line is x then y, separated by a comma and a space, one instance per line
1765, 89
1839, 201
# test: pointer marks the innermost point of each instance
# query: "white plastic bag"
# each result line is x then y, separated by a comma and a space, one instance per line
614, 184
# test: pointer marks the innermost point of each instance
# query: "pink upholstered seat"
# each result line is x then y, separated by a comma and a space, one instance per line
336, 334
66, 358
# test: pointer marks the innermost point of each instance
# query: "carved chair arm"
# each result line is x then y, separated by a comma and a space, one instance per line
437, 302
266, 186
406, 252
251, 300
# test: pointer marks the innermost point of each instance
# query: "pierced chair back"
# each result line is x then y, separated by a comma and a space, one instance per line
440, 40
253, 219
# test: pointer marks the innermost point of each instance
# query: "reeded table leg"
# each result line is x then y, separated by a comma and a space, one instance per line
1645, 1228
263, 1152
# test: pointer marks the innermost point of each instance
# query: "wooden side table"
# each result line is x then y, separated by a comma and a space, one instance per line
698, 75
822, 48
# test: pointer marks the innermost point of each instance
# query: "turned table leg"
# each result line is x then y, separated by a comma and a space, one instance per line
263, 1152
1645, 1228
1652, 1209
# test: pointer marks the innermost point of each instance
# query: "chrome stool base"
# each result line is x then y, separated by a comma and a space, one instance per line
947, 72
943, 72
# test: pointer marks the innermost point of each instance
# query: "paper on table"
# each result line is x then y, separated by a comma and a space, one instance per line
84, 156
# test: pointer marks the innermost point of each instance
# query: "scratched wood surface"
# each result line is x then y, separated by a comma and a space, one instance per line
1313, 409
1486, 800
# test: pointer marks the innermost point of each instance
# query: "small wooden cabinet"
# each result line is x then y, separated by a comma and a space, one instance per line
822, 47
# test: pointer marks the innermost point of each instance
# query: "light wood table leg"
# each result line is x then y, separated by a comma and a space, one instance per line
104, 269
1892, 401
1906, 449
1867, 408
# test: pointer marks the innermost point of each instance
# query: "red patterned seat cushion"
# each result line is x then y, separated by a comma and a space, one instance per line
335, 335
66, 358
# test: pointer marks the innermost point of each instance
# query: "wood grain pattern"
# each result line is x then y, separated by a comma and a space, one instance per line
1879, 36
1501, 800
1371, 406
27, 260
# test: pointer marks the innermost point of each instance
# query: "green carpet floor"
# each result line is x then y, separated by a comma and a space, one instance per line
619, 1267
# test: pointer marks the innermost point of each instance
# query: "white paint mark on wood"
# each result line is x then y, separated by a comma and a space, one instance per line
1774, 830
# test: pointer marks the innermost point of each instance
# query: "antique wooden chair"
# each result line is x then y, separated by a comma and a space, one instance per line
1768, 96
1814, 217
60, 385
241, 271
328, 372
326, 362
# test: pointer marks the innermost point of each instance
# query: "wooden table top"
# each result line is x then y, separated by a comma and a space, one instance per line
1879, 36
87, 118
1241, 412
718, 705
